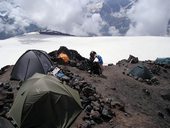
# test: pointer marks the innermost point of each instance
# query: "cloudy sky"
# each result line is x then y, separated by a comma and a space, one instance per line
64, 15
148, 17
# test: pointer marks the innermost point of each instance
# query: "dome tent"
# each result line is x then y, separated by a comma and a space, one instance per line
32, 61
141, 71
163, 61
44, 102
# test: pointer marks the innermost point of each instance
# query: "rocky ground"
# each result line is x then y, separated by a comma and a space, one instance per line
112, 100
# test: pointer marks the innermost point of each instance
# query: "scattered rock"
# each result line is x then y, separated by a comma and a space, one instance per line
88, 108
18, 87
133, 59
86, 124
95, 115
146, 92
107, 114
155, 69
168, 111
166, 96
6, 86
140, 80
4, 69
118, 105
88, 91
165, 70
110, 64
155, 81
1, 84
10, 95
148, 81
10, 89
161, 115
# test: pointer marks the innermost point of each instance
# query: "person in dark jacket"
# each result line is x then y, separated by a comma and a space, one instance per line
97, 60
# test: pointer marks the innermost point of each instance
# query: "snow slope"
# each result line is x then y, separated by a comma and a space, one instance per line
112, 49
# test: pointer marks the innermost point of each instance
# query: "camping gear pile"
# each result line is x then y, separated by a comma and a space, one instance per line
65, 56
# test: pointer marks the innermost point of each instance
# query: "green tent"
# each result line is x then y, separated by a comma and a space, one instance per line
4, 123
44, 102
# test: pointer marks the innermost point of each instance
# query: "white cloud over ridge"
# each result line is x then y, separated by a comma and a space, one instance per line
149, 17
63, 15
12, 18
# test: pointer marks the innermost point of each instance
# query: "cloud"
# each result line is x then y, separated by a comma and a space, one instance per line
113, 31
149, 17
12, 18
63, 15
83, 17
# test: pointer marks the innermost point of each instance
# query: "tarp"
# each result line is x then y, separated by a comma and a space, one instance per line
32, 61
141, 71
44, 102
72, 54
164, 61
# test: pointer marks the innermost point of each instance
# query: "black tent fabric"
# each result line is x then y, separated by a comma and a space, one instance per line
32, 61
73, 55
76, 56
4, 123
141, 71
65, 50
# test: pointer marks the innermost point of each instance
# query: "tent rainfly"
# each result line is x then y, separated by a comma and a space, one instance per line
32, 61
4, 123
44, 102
141, 71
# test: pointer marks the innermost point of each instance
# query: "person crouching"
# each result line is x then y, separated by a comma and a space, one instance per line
97, 63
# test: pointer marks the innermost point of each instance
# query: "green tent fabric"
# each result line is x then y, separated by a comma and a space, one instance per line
44, 102
4, 123
164, 61
141, 71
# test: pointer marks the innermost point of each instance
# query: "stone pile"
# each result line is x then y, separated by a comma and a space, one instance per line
132, 59
6, 98
97, 109
4, 69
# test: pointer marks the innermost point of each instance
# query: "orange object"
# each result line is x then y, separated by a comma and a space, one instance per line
64, 57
